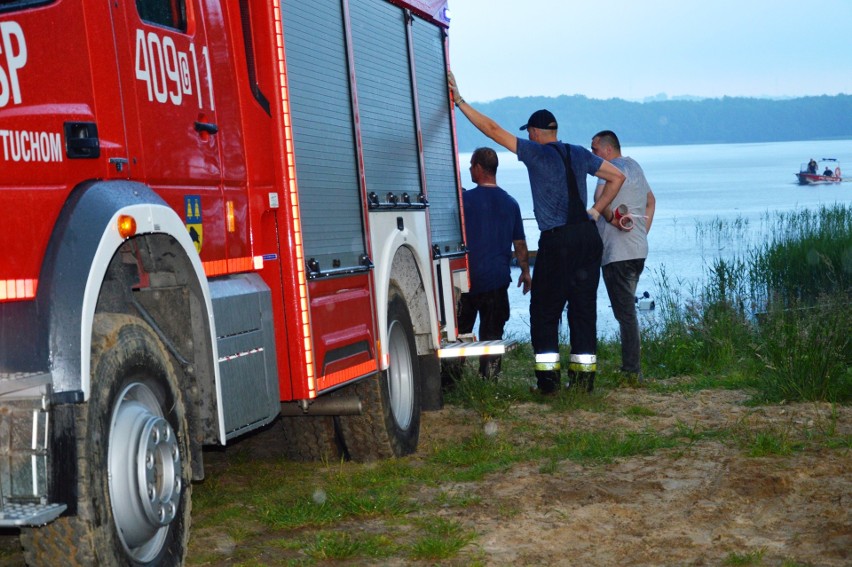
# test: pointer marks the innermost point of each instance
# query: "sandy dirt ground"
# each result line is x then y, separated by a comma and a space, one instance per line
700, 503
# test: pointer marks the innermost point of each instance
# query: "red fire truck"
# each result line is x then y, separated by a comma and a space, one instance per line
214, 214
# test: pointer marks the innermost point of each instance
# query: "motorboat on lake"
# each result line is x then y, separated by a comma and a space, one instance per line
827, 170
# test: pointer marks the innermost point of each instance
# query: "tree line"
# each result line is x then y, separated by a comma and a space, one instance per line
672, 122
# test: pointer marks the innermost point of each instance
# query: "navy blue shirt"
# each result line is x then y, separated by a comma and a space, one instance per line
546, 171
492, 221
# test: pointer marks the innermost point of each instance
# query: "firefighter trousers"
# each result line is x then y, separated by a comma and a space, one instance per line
567, 272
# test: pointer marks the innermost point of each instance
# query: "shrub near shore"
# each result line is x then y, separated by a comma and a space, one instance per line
776, 319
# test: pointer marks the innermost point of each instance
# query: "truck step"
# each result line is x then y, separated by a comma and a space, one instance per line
14, 514
475, 348
11, 382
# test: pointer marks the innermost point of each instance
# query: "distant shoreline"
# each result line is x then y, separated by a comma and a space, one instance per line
727, 120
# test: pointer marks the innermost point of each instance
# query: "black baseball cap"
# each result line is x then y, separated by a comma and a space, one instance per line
541, 119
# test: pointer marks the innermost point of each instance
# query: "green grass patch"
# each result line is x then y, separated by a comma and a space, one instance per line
770, 443
471, 459
747, 558
805, 352
440, 539
605, 446
489, 398
639, 411
342, 546
694, 433
347, 492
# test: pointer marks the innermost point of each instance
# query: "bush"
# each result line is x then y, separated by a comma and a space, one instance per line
704, 335
805, 352
808, 256
780, 313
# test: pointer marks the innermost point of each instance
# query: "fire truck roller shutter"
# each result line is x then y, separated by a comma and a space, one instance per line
385, 99
436, 127
394, 99
323, 133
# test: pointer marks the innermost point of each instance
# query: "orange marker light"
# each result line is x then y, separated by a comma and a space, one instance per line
126, 226
229, 208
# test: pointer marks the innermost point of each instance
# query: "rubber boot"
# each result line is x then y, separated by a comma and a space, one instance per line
586, 380
548, 381
571, 380
582, 380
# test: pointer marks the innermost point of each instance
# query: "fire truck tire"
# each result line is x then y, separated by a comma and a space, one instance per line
133, 460
390, 423
431, 389
311, 438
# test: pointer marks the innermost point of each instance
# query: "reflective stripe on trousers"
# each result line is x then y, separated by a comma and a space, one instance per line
547, 361
582, 363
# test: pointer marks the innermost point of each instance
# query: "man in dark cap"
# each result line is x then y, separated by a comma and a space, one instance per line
568, 262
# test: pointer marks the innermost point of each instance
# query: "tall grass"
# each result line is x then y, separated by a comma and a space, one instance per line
698, 332
805, 351
808, 256
779, 312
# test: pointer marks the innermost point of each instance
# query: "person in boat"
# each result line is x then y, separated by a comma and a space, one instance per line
812, 166
828, 172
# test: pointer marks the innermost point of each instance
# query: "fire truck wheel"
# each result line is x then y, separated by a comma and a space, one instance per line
310, 438
390, 423
133, 459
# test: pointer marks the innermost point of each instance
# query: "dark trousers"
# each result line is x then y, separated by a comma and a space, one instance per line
567, 271
492, 307
621, 279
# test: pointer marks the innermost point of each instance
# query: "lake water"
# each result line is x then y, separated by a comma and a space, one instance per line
697, 187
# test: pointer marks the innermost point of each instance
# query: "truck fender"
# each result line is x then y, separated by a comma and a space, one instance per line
84, 240
409, 265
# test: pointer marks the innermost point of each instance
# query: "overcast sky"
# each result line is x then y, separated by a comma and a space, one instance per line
633, 49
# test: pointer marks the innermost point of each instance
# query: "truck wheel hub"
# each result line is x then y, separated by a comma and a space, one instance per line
144, 469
